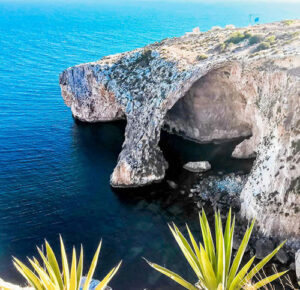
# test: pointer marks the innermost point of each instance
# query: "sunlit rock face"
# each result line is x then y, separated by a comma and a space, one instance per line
207, 87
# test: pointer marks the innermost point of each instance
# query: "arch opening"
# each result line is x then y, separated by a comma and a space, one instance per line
212, 110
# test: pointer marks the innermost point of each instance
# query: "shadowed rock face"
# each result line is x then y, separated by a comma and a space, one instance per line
212, 109
236, 90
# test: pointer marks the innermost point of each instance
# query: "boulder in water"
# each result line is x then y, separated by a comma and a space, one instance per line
263, 247
198, 166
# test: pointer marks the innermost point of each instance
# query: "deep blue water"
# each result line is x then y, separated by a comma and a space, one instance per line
54, 173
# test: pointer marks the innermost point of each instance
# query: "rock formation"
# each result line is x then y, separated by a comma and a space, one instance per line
197, 166
211, 86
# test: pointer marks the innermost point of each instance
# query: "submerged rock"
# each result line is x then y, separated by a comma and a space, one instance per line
216, 191
172, 184
263, 247
200, 166
236, 243
209, 86
93, 284
282, 256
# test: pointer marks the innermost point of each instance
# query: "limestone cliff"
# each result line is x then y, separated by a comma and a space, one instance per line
212, 86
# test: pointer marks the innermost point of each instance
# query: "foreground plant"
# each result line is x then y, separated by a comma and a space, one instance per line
211, 262
49, 276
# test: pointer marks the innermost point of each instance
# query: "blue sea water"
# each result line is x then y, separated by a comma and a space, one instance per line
54, 173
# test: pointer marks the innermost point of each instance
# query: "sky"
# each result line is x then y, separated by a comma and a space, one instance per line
200, 1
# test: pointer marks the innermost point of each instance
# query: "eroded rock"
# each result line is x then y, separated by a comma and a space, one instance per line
205, 87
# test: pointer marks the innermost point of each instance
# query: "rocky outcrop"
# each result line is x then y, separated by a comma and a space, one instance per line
211, 86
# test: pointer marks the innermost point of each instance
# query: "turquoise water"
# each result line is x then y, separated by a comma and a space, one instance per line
54, 173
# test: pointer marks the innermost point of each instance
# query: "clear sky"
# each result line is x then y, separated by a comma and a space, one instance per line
203, 1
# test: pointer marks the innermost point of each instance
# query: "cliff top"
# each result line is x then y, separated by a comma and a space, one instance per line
280, 38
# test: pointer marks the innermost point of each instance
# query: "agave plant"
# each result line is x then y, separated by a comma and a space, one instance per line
49, 276
212, 262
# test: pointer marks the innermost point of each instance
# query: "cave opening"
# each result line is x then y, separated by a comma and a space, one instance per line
212, 110
206, 124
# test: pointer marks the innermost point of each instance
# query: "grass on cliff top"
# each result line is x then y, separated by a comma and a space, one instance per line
288, 22
237, 37
234, 38
266, 44
202, 56
257, 38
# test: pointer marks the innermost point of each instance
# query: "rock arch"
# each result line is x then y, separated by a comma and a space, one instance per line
242, 92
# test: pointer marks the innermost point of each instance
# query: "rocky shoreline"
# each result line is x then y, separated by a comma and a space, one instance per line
222, 192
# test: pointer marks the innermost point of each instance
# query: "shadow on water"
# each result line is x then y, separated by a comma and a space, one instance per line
147, 210
138, 226
132, 222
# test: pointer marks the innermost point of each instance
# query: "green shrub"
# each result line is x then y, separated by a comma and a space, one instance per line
202, 57
50, 276
262, 46
222, 47
212, 262
288, 22
237, 37
271, 39
247, 34
255, 39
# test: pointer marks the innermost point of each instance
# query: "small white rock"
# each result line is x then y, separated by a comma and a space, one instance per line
196, 30
198, 166
230, 26
216, 28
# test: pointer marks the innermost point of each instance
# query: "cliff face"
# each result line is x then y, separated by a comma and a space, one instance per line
210, 86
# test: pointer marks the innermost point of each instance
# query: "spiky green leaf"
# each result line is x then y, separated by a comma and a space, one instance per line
173, 276
92, 268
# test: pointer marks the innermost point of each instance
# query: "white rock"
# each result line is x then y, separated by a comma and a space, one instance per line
297, 263
198, 166
196, 30
230, 26
216, 28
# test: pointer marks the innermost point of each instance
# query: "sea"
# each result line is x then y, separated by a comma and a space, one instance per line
54, 171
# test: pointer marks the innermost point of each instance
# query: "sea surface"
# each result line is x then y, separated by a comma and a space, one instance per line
54, 172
